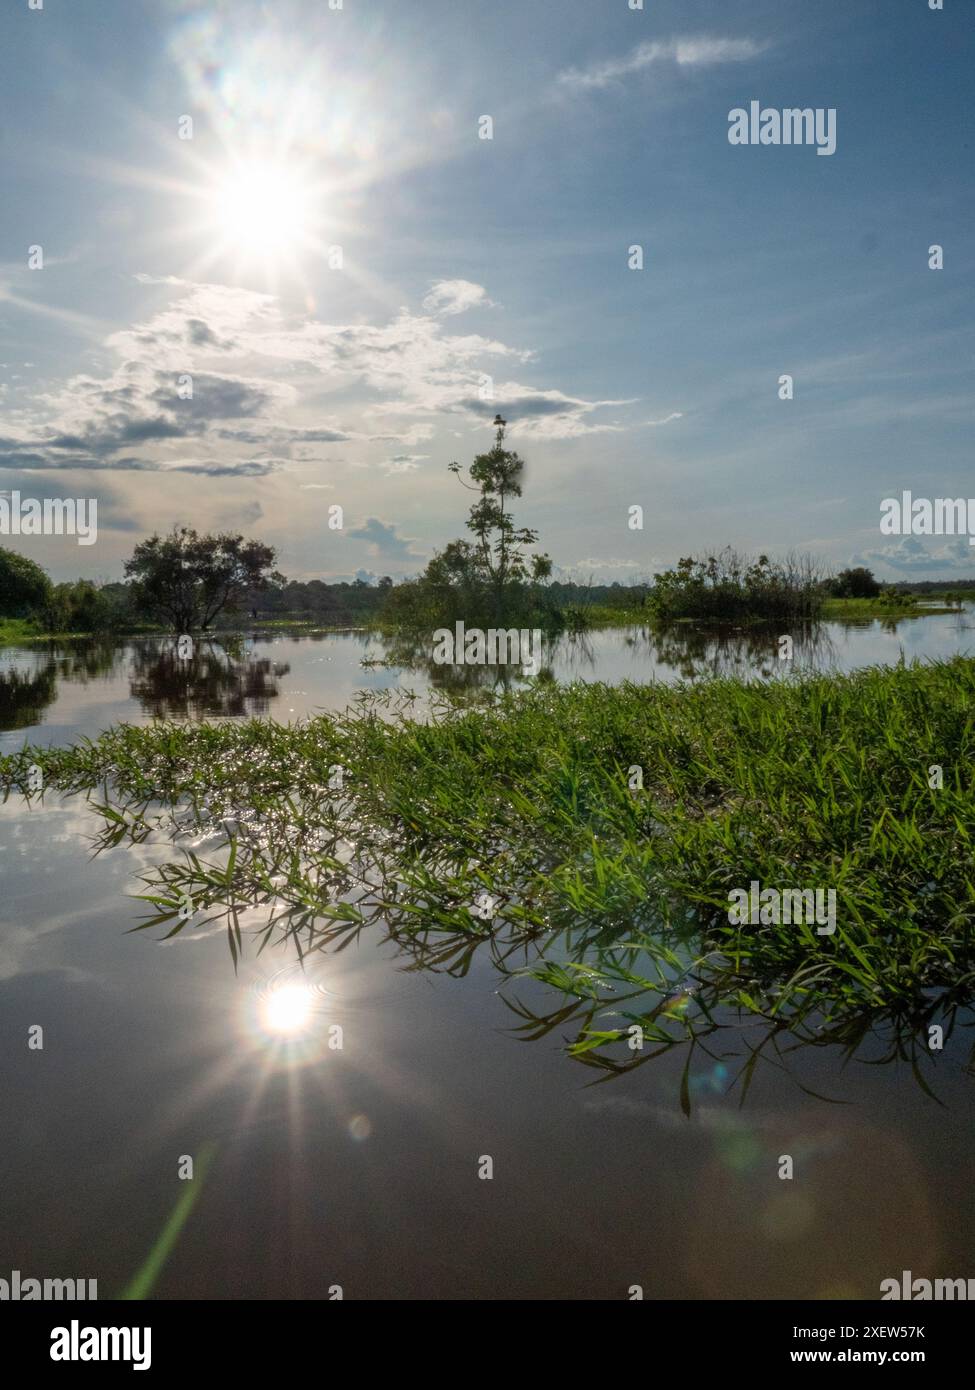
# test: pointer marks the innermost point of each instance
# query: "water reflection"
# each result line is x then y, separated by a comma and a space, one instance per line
366, 1153
82, 686
615, 997
680, 650
31, 680
221, 679
24, 696
414, 653
743, 652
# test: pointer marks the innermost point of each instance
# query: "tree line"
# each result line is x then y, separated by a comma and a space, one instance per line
188, 582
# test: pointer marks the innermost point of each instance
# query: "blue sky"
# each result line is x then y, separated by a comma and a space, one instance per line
471, 263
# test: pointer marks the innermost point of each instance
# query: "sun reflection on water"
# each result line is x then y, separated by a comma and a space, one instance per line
288, 1009
288, 1017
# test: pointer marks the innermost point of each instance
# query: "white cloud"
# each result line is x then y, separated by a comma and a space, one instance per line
254, 368
702, 50
456, 296
540, 414
913, 556
612, 564
383, 541
403, 463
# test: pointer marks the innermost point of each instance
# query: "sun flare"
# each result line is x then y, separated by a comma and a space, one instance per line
263, 210
288, 1009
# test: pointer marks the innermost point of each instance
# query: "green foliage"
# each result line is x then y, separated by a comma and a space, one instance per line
730, 588
24, 586
188, 580
491, 579
82, 606
853, 583
14, 631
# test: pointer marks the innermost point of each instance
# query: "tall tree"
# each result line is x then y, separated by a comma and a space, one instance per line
497, 476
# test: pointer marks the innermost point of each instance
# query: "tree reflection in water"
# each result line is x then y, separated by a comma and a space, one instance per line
221, 678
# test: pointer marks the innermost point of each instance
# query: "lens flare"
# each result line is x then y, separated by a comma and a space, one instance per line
262, 210
288, 1010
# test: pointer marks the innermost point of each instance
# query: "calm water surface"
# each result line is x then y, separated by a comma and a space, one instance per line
359, 1167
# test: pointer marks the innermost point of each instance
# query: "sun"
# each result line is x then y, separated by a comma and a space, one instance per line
264, 210
288, 1009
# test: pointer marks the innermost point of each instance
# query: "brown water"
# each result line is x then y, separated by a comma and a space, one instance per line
359, 1167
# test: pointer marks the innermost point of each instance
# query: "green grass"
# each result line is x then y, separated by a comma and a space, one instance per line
605, 615
615, 898
16, 630
856, 608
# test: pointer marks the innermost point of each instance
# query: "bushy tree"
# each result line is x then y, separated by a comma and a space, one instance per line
728, 587
854, 583
24, 586
188, 580
81, 606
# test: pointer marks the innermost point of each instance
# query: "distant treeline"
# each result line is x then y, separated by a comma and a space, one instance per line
83, 606
934, 586
332, 605
316, 600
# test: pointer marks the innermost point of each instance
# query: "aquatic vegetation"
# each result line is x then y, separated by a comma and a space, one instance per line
598, 831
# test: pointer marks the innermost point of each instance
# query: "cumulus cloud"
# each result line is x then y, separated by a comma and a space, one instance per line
698, 51
383, 541
403, 463
93, 422
219, 398
911, 555
252, 366
456, 296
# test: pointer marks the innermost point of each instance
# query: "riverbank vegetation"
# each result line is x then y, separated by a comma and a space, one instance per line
600, 829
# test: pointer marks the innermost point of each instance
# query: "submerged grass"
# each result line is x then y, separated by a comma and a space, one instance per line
518, 819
